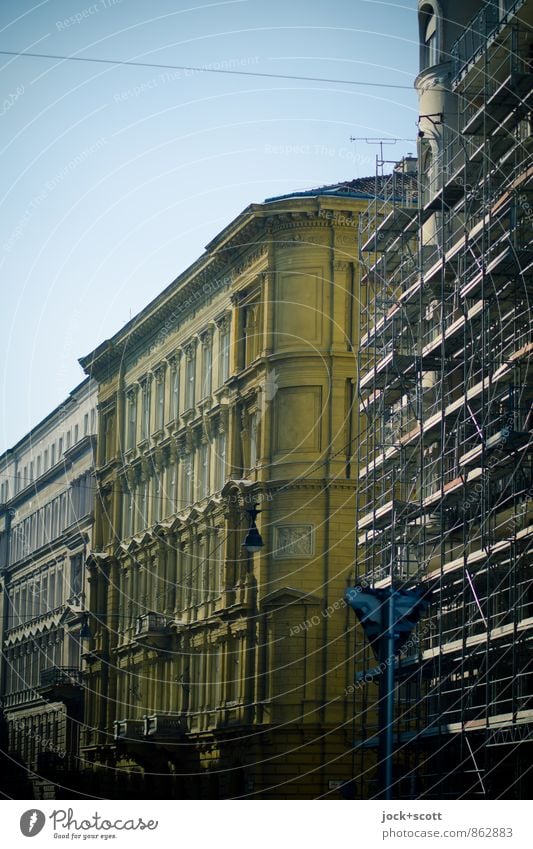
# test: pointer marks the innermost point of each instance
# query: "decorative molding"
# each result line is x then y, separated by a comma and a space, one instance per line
251, 259
159, 459
205, 336
173, 360
293, 541
223, 320
189, 349
173, 451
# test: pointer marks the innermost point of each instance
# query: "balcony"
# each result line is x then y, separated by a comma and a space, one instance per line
61, 684
151, 629
49, 763
128, 730
164, 728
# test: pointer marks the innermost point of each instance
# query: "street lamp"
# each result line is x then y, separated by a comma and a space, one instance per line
388, 615
253, 541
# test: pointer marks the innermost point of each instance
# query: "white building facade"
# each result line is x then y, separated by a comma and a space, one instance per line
46, 514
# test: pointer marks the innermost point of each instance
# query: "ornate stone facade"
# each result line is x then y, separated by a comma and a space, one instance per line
233, 387
46, 514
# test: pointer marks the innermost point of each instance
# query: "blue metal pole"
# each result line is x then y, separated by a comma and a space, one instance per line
386, 698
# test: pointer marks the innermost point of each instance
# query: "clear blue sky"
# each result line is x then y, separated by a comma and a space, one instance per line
114, 178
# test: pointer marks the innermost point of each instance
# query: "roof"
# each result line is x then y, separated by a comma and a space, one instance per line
34, 433
238, 234
362, 188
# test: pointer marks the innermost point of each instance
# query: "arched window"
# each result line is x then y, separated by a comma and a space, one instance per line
431, 41
429, 36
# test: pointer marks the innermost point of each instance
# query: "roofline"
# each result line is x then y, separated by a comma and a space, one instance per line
40, 425
213, 250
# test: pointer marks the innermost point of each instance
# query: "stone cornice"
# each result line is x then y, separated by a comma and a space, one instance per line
230, 254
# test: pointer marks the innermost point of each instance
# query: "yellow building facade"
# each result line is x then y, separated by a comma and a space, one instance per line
211, 672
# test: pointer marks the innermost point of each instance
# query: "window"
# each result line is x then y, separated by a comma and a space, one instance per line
430, 34
254, 429
203, 489
55, 517
86, 424
252, 333
173, 477
128, 513
187, 481
218, 675
76, 433
218, 559
69, 439
202, 572
234, 670
190, 376
108, 441
132, 419
160, 401
207, 366
427, 166
224, 350
157, 497
145, 423
59, 587
143, 504
76, 569
220, 461
63, 511
187, 576
175, 392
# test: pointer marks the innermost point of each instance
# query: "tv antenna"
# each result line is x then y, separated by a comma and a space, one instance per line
377, 140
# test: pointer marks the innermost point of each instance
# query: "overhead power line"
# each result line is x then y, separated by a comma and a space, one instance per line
204, 70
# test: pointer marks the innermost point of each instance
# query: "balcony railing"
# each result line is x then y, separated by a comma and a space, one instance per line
60, 676
151, 624
128, 730
152, 629
490, 19
160, 726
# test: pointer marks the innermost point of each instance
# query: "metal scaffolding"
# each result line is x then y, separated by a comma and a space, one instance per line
445, 429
